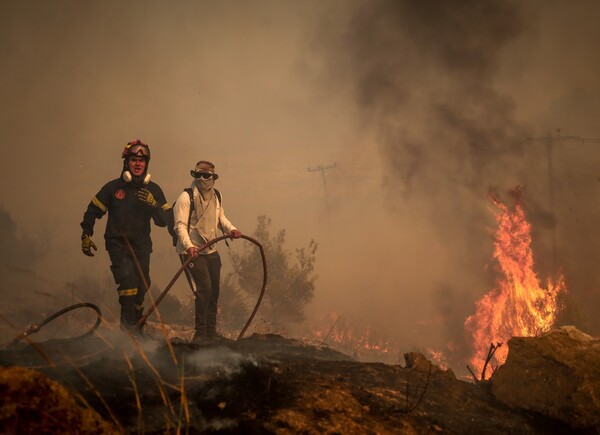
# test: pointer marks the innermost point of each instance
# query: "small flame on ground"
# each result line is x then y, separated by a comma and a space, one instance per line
438, 358
352, 336
518, 305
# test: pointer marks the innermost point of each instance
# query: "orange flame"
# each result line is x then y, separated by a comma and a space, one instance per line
352, 335
518, 305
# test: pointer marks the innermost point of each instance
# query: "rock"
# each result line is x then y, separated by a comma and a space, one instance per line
418, 361
32, 403
556, 374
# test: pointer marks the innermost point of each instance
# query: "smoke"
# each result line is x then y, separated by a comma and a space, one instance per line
423, 78
421, 106
220, 358
436, 85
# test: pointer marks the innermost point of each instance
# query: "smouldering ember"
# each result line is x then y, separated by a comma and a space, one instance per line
518, 305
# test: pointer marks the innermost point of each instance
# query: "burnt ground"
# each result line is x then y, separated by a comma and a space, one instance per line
265, 384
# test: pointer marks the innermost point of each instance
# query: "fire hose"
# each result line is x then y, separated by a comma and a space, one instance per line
187, 262
37, 326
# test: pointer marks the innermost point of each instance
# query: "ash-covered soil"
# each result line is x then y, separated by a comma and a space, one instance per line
259, 384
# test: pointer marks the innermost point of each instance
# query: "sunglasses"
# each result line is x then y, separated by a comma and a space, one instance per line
203, 175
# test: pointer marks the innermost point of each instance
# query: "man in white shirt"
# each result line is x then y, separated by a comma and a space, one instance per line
197, 216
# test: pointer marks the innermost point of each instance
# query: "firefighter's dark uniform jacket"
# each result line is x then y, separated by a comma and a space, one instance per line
127, 215
128, 223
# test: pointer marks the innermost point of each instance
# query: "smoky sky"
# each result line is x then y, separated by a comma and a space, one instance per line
423, 73
422, 107
431, 80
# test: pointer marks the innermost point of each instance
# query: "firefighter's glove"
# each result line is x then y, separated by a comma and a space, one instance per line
87, 244
146, 197
235, 234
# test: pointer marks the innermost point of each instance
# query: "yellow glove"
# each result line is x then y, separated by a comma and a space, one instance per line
146, 197
87, 244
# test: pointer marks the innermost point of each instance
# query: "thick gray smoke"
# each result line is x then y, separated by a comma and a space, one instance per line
424, 74
432, 80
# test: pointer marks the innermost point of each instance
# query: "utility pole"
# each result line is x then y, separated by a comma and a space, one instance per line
550, 141
322, 170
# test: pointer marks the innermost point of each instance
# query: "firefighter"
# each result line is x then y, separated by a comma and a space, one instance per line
131, 201
198, 214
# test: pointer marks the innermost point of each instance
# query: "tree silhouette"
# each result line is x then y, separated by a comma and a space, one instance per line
291, 279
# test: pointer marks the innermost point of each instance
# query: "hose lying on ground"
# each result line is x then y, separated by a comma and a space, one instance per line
37, 326
33, 329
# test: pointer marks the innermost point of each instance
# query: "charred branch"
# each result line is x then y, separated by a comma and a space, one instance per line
490, 354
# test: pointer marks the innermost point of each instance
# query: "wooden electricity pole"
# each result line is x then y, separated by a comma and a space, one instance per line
322, 170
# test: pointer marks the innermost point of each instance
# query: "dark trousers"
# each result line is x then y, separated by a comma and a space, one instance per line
132, 285
206, 274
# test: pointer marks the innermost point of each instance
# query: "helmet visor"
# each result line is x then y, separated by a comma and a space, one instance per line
138, 150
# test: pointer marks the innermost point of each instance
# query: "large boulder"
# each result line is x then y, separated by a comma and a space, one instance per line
556, 374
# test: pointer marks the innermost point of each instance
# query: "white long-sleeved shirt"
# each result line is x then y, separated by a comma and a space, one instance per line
181, 212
